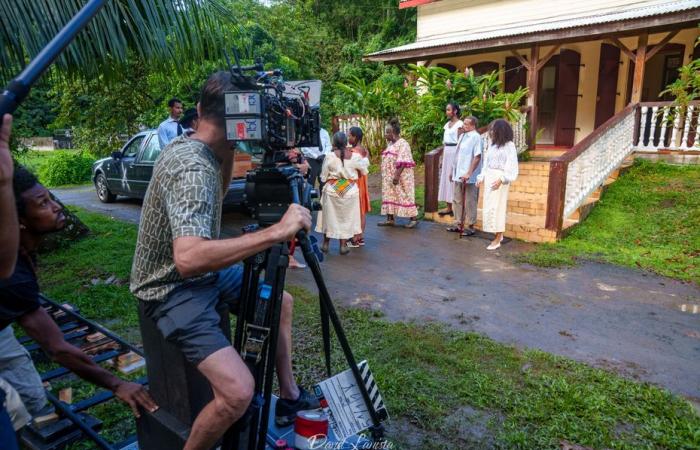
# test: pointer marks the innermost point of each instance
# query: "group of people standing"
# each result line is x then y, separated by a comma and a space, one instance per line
467, 166
345, 198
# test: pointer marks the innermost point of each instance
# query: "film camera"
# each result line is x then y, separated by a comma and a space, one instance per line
272, 116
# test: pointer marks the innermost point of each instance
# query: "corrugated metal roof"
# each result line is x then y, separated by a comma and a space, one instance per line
614, 15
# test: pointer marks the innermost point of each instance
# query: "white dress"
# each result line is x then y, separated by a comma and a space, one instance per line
449, 154
340, 209
501, 163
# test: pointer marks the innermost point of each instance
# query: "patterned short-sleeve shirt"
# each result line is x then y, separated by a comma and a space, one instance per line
184, 198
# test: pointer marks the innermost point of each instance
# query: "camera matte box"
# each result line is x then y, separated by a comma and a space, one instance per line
244, 129
242, 103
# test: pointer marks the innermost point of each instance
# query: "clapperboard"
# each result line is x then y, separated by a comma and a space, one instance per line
347, 412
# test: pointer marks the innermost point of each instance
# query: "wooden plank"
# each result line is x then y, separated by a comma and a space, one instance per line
515, 74
657, 24
608, 71
432, 179
567, 98
548, 56
533, 83
556, 192
525, 63
639, 67
656, 48
617, 43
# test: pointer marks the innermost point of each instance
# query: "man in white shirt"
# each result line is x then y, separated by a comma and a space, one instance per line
314, 156
467, 168
169, 129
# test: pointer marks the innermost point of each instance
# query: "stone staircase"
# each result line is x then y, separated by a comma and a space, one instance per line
527, 200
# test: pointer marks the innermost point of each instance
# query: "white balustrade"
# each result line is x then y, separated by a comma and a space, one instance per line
683, 121
594, 165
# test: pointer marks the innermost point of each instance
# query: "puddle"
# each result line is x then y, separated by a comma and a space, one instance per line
689, 308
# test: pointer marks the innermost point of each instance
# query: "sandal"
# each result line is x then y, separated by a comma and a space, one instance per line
467, 232
344, 250
324, 247
386, 223
454, 229
411, 224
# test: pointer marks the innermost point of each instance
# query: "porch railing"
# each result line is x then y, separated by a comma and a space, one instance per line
664, 126
643, 127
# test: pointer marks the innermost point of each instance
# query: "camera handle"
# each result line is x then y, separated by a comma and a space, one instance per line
16, 91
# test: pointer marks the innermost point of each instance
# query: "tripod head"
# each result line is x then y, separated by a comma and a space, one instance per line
271, 188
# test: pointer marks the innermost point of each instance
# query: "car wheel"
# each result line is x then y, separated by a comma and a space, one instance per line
103, 192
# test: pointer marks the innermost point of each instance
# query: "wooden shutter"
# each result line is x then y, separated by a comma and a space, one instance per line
567, 98
607, 83
515, 76
484, 68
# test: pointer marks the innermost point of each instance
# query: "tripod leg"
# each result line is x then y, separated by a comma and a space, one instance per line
327, 303
326, 336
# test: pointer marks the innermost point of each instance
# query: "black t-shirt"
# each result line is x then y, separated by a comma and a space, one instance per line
19, 294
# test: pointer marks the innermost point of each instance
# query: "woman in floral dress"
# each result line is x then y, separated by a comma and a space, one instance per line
398, 184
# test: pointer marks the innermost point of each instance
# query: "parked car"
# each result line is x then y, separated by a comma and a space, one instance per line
128, 172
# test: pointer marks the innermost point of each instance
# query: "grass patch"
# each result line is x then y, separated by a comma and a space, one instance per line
38, 162
427, 373
648, 219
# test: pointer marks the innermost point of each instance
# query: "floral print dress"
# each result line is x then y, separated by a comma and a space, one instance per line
398, 200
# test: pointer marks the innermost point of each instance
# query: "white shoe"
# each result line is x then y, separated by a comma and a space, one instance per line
493, 246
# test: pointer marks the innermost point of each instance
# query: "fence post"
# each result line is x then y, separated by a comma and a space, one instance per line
556, 195
432, 180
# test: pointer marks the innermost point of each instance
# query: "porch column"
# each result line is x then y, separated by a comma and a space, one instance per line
533, 82
639, 66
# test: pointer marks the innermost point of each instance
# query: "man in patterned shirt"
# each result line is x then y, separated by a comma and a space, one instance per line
182, 270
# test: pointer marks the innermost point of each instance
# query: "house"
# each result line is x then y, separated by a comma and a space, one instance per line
594, 71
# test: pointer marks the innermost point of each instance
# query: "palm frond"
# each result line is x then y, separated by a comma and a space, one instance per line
159, 31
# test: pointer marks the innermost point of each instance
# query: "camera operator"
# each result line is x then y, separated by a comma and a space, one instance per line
9, 231
182, 270
315, 155
9, 242
38, 215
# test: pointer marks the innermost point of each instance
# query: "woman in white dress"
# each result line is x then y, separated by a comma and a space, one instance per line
449, 140
340, 200
500, 169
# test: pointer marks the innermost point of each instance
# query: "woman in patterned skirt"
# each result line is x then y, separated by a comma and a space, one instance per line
452, 130
398, 184
355, 140
340, 206
500, 169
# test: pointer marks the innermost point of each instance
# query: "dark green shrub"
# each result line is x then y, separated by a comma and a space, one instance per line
66, 167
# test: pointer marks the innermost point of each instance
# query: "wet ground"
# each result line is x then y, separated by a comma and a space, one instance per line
638, 324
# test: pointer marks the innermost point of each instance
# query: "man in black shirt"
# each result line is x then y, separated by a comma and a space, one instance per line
38, 215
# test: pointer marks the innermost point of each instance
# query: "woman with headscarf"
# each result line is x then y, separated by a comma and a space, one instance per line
340, 203
500, 169
398, 183
355, 140
449, 154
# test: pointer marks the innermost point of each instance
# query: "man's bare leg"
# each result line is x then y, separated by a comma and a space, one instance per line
233, 388
283, 359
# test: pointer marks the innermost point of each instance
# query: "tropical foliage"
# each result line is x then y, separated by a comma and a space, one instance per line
420, 104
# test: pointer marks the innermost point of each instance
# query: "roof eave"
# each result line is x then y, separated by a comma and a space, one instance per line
631, 27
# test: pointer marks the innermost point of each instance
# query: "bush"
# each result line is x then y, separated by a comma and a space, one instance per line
66, 167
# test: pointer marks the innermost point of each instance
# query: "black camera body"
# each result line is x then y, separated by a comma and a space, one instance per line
275, 116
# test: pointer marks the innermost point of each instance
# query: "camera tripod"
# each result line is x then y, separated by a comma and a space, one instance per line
257, 331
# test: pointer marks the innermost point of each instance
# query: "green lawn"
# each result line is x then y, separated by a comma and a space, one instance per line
427, 373
649, 218
37, 162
